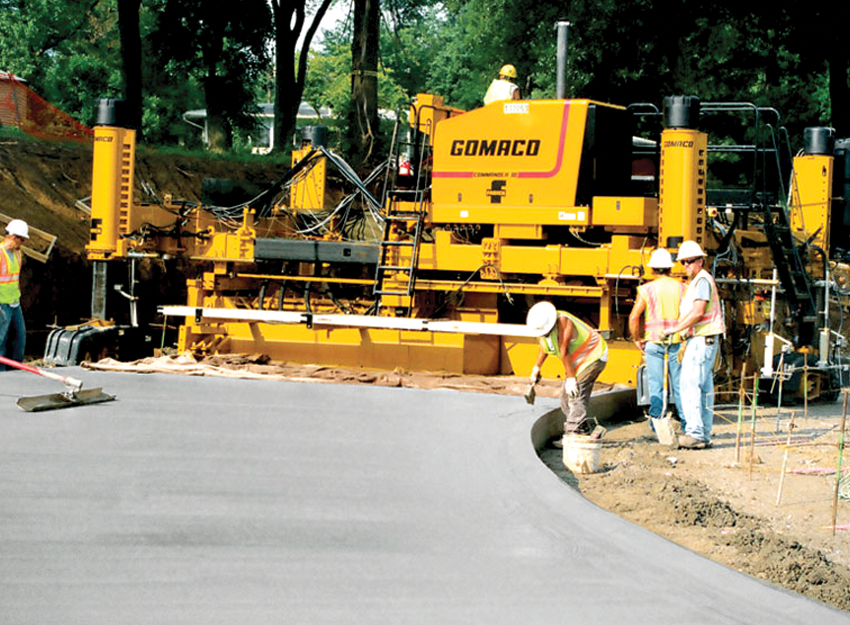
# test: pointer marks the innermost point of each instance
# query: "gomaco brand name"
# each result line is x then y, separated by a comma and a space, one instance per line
495, 147
678, 144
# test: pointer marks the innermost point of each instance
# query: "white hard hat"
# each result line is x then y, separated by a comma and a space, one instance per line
689, 249
660, 259
18, 227
542, 317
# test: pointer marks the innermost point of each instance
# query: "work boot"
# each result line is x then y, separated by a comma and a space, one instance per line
689, 442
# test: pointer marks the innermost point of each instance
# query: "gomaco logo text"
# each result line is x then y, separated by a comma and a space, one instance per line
495, 147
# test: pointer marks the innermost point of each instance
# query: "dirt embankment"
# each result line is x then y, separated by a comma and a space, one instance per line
725, 502
41, 182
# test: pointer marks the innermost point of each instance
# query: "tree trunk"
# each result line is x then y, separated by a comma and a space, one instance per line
289, 85
839, 91
219, 131
364, 80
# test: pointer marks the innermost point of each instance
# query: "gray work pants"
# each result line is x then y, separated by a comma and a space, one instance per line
575, 408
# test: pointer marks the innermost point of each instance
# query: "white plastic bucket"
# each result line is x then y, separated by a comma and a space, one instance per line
581, 453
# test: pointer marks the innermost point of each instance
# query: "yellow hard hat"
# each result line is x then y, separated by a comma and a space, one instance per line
508, 70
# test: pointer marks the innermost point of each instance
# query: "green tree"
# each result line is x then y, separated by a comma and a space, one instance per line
225, 50
290, 19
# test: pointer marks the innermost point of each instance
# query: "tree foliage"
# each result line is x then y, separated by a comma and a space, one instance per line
194, 54
224, 50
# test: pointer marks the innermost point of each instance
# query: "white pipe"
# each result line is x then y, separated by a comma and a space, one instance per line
350, 321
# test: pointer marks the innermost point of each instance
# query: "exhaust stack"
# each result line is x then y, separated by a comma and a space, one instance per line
563, 28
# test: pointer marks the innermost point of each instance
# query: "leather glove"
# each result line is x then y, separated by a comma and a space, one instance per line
571, 387
534, 378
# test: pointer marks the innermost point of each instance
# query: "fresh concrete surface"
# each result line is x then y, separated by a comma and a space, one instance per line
207, 501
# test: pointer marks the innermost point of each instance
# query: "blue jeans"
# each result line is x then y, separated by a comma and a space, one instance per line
654, 355
13, 333
697, 387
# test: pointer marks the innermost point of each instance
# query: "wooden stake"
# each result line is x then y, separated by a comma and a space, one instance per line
806, 386
838, 470
742, 395
785, 458
753, 423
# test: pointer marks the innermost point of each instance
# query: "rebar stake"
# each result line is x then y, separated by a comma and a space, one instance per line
742, 395
785, 458
838, 468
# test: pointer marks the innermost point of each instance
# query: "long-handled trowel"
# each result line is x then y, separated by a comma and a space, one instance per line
74, 394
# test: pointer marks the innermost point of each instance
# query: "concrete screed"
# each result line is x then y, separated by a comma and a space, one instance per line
202, 500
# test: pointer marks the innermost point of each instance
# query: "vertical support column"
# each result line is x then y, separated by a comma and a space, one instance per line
681, 212
99, 289
113, 167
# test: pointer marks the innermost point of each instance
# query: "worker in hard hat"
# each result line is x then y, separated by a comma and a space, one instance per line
503, 86
702, 323
657, 303
580, 348
12, 329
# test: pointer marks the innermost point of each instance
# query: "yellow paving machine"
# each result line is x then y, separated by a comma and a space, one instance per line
432, 262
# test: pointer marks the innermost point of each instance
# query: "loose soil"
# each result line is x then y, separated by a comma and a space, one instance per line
722, 502
712, 501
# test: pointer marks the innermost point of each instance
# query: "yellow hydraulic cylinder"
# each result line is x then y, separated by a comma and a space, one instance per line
681, 213
112, 190
811, 194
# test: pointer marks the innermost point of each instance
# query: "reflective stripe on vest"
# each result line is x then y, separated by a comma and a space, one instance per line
711, 322
662, 298
586, 345
10, 271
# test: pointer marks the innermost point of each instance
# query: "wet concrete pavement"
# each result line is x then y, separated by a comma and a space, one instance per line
206, 501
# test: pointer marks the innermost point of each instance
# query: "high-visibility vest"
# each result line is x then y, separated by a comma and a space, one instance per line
662, 297
10, 272
500, 90
712, 322
586, 345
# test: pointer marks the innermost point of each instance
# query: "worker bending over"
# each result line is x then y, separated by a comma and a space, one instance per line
503, 87
583, 352
701, 320
659, 302
12, 330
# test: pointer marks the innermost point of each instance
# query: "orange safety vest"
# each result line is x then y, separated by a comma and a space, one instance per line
586, 345
10, 272
712, 322
662, 297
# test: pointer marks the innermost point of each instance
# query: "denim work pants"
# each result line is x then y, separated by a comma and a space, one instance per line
696, 385
13, 333
654, 356
575, 408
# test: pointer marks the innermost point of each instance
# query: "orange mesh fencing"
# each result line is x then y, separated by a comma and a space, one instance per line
20, 106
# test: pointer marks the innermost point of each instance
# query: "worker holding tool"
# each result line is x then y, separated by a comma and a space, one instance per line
583, 352
503, 86
12, 329
702, 322
658, 301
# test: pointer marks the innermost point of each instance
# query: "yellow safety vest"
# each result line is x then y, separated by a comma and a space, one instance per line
586, 345
662, 297
10, 272
712, 322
